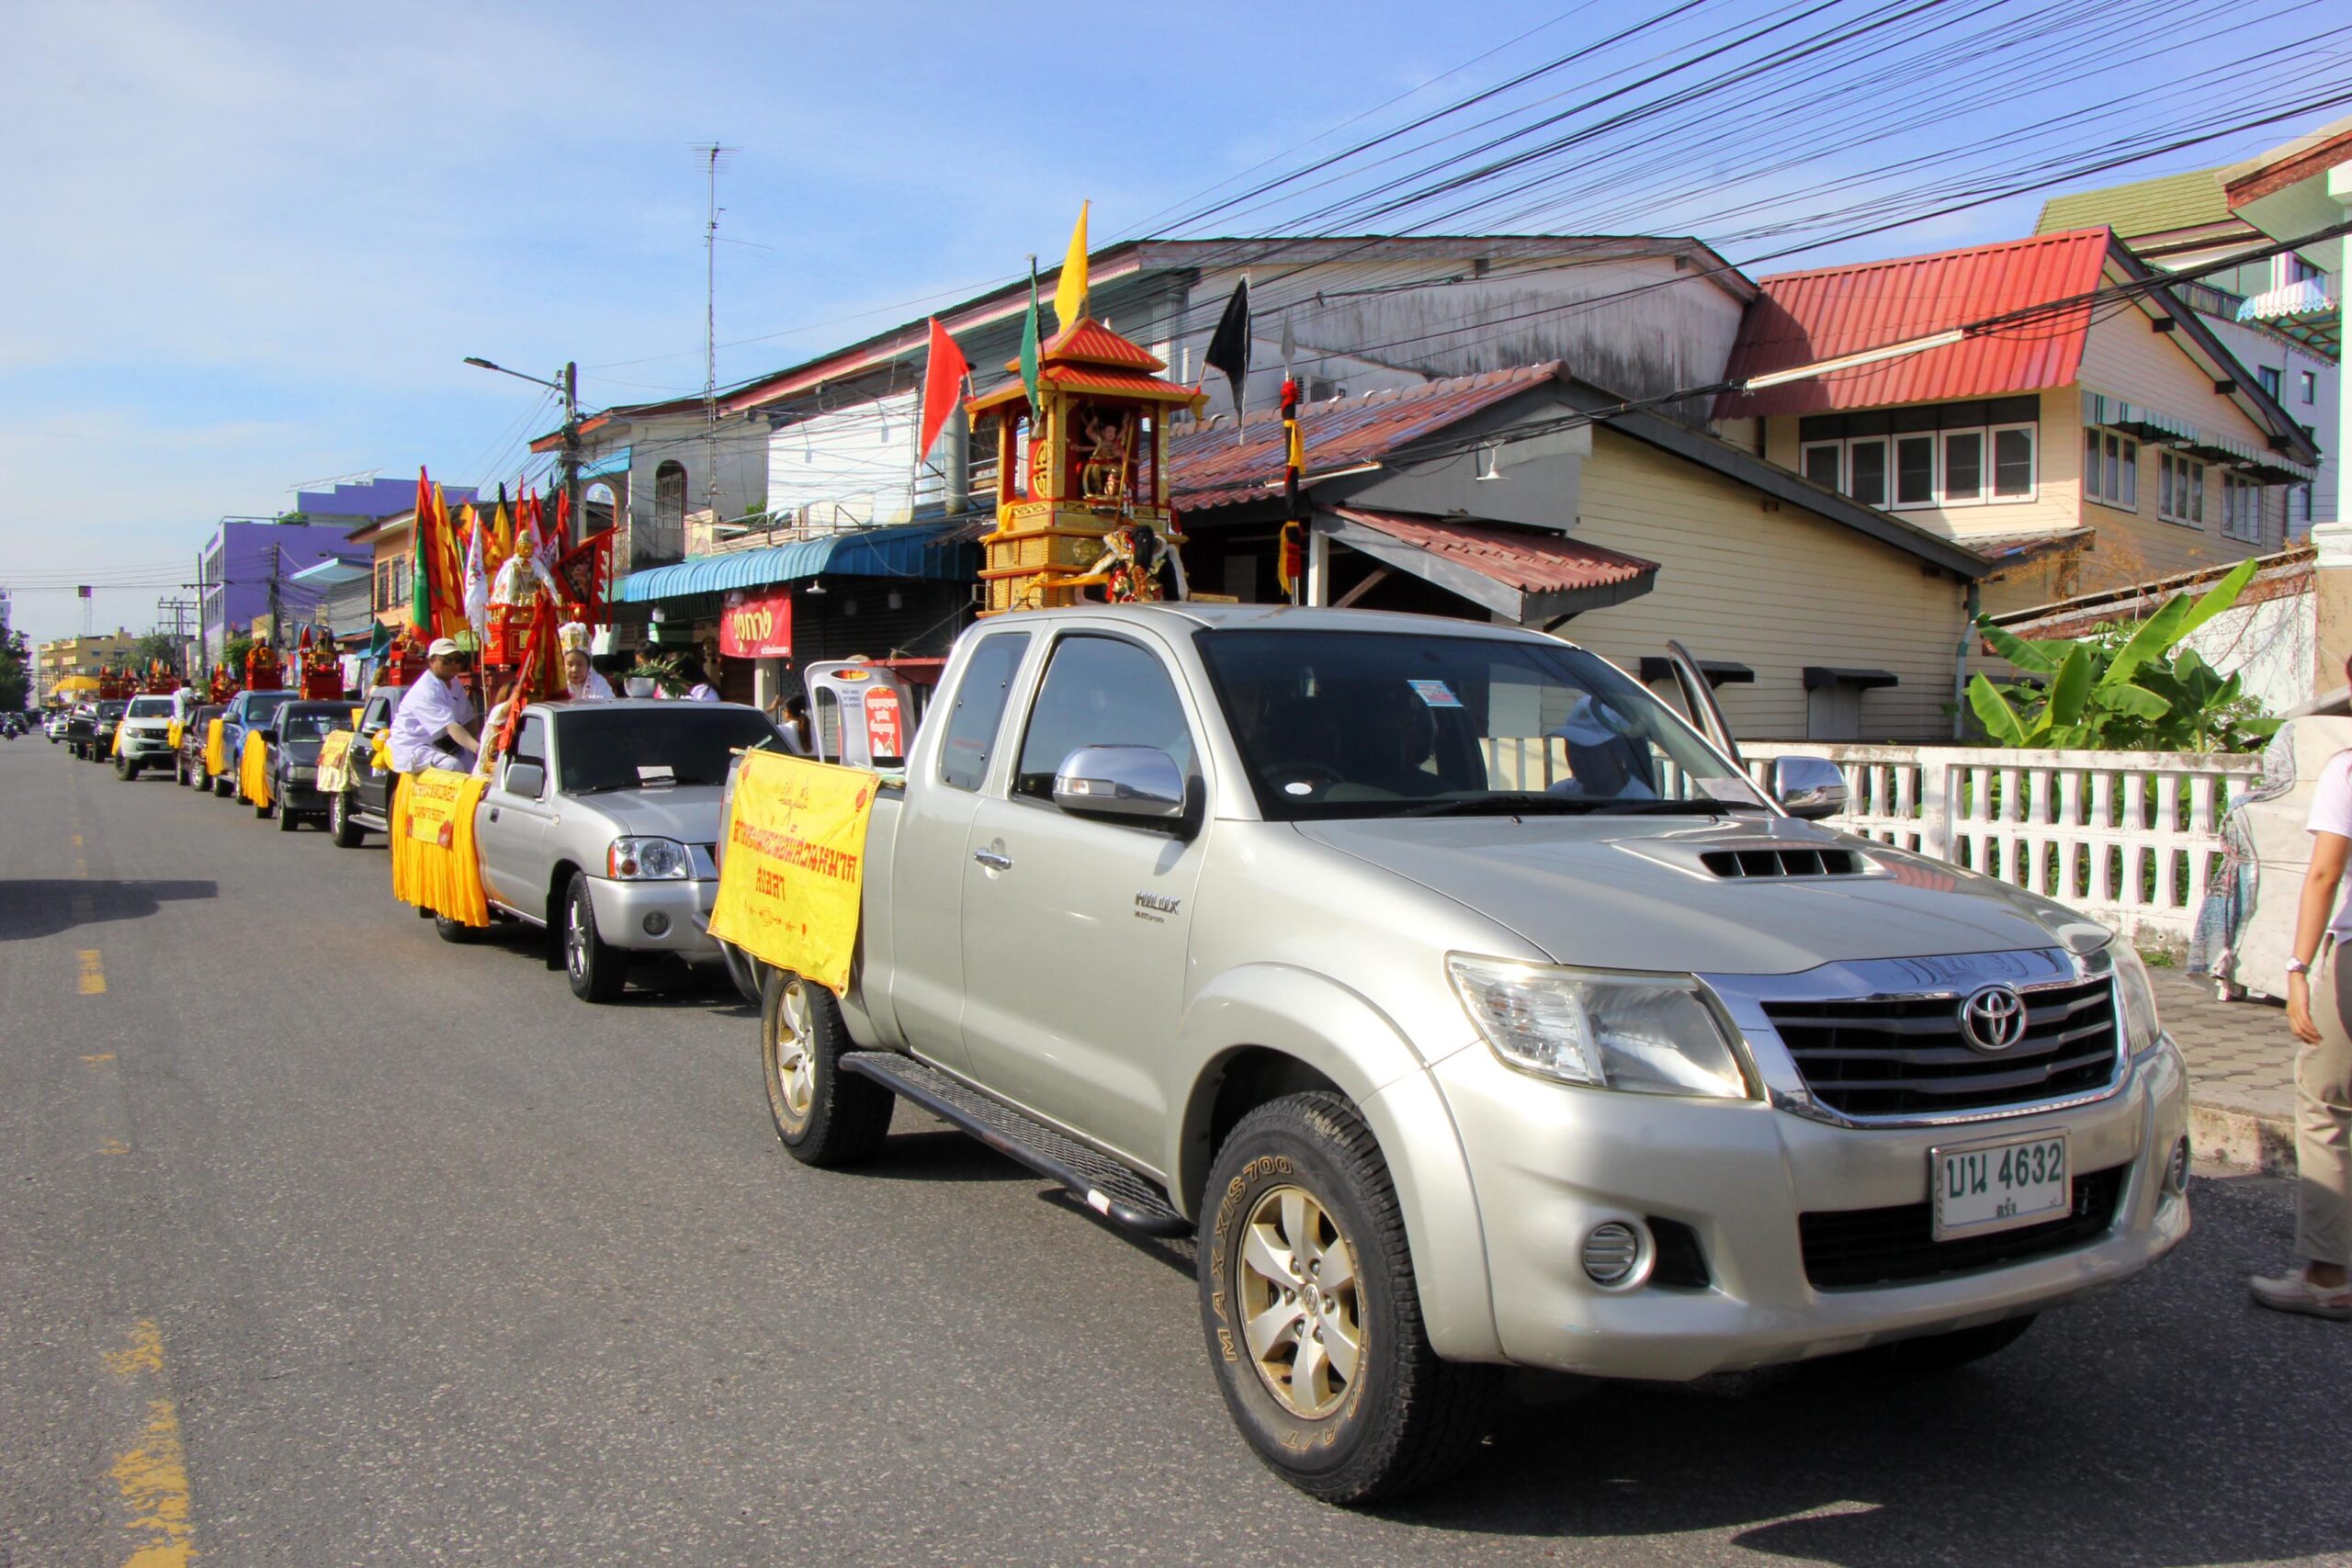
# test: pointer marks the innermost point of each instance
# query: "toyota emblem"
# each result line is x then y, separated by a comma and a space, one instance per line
1992, 1018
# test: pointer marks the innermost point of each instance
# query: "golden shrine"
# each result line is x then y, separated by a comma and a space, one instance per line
1089, 507
262, 673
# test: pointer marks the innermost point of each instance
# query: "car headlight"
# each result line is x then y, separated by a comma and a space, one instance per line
647, 860
302, 775
2140, 1029
1645, 1033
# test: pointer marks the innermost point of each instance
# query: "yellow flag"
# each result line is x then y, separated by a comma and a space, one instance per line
1070, 291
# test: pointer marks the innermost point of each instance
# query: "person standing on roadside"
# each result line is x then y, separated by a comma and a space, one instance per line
2320, 1012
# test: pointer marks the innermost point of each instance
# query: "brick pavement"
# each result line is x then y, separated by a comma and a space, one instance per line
2241, 1072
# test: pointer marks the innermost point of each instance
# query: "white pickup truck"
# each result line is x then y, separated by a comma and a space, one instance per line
1470, 1009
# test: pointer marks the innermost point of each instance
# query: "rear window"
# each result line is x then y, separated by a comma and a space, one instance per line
680, 743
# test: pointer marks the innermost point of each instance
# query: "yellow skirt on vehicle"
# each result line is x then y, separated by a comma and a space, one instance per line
253, 770
435, 865
216, 749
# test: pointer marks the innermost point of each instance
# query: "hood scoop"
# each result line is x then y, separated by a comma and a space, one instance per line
1757, 859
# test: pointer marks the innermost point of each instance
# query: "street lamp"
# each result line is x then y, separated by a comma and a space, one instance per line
569, 385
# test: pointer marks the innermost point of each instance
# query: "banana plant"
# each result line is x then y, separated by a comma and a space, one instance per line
2122, 688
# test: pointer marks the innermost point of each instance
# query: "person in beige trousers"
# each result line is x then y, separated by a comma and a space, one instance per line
2319, 1010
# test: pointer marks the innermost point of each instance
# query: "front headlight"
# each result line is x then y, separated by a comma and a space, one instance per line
647, 860
2141, 1029
299, 775
1645, 1033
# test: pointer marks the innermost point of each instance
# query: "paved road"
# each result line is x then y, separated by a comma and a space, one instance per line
326, 1242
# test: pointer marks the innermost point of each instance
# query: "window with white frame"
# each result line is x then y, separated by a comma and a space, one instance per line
2180, 489
2241, 508
2311, 386
2112, 469
1964, 454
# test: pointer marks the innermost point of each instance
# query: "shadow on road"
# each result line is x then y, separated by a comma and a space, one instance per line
33, 908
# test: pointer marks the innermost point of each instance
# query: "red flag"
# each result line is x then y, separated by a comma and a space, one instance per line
942, 376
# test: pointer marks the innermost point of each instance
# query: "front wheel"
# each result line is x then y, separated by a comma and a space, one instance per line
125, 769
825, 1116
286, 820
1313, 1316
347, 834
597, 970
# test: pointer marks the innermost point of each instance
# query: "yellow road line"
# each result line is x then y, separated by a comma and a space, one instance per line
101, 1056
77, 840
151, 1473
94, 973
113, 1147
81, 866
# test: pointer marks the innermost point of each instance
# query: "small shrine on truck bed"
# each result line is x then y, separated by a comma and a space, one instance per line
1081, 498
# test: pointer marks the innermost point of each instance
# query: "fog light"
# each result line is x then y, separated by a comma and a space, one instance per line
1611, 1252
656, 923
2176, 1169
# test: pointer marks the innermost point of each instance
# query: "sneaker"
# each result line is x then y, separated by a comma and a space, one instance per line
2293, 1292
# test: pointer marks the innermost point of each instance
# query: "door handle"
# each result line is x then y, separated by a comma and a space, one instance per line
493, 814
995, 860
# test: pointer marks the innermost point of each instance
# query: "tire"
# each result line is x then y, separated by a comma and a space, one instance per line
264, 813
346, 833
125, 769
825, 1116
199, 780
455, 932
224, 786
179, 771
597, 970
287, 821
1304, 1175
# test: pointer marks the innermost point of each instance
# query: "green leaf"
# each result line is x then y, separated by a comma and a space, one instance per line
2136, 701
2071, 687
1994, 712
2042, 658
2177, 620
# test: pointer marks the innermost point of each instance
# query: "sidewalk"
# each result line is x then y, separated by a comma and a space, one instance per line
2241, 1073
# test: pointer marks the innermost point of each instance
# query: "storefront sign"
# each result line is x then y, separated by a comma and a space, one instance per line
756, 626
884, 737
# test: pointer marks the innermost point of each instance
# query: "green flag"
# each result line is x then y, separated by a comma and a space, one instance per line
1029, 341
420, 611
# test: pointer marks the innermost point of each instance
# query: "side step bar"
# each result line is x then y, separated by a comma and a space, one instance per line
1096, 1179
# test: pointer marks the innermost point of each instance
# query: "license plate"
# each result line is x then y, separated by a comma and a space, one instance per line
1998, 1186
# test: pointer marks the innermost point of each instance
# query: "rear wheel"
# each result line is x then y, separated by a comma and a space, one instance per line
597, 970
1313, 1316
826, 1117
347, 834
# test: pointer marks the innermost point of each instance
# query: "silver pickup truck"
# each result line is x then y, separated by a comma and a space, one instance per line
598, 826
1470, 1009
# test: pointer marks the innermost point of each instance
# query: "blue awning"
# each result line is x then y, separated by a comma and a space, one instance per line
914, 549
614, 462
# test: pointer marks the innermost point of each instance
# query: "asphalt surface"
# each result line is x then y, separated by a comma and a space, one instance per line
325, 1242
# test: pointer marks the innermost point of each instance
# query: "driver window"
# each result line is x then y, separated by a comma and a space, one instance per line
1100, 691
531, 746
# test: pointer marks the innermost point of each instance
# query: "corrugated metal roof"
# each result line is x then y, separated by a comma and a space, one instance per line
2143, 207
1528, 559
914, 549
1207, 467
1804, 317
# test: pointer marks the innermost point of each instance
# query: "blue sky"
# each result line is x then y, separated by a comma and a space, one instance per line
249, 245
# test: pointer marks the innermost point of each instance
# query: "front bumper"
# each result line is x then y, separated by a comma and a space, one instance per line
1550, 1162
682, 908
156, 748
300, 797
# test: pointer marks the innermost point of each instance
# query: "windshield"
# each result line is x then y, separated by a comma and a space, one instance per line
259, 705
687, 743
1378, 724
311, 724
150, 708
111, 710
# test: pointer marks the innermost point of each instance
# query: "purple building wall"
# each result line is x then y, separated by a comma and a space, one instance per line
376, 498
238, 562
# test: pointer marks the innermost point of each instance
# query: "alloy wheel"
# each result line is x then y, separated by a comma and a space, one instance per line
1302, 1310
575, 942
796, 1051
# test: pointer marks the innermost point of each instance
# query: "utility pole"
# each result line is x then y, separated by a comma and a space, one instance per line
276, 560
571, 443
711, 152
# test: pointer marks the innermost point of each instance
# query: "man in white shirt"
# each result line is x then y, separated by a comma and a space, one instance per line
429, 726
2318, 1010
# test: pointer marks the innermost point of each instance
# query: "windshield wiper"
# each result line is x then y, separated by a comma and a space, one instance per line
1671, 807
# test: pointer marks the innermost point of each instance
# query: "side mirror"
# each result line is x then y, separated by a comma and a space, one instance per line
526, 779
1809, 788
1135, 783
268, 737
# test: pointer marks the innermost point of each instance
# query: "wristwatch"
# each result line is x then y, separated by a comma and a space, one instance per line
2297, 966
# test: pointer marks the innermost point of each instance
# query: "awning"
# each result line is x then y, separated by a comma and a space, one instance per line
1531, 576
1822, 677
913, 550
333, 572
611, 463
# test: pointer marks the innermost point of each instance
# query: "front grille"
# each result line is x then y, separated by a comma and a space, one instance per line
1906, 1055
1846, 1249
1735, 864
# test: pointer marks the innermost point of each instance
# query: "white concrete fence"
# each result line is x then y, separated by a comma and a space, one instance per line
2125, 837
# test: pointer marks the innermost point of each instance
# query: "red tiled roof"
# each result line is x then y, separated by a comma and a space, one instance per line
1804, 317
1529, 560
1085, 377
1207, 467
1088, 342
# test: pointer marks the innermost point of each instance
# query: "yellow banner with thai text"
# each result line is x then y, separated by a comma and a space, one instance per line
792, 869
434, 865
334, 762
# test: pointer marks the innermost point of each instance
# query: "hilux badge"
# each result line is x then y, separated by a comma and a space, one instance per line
1992, 1018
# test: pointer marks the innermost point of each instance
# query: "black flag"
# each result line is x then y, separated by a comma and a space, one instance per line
1230, 346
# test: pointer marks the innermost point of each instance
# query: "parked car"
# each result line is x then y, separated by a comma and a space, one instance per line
600, 826
189, 767
293, 738
146, 726
246, 710
1468, 1007
54, 725
364, 802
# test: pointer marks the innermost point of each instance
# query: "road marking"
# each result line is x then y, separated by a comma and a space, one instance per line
101, 1056
113, 1147
81, 866
152, 1472
94, 973
77, 840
